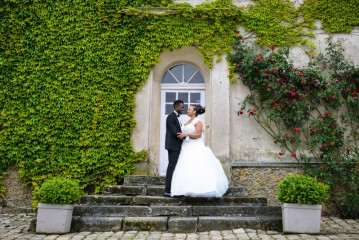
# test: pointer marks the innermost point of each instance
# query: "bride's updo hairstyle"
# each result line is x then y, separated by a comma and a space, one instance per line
199, 109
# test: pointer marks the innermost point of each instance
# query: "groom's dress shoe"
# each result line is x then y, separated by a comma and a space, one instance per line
166, 194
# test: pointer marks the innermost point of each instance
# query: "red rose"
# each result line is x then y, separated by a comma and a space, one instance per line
260, 100
353, 94
269, 86
324, 181
326, 82
324, 145
280, 154
237, 47
314, 79
242, 41
272, 48
240, 112
297, 130
267, 72
274, 69
251, 112
275, 142
286, 137
241, 63
313, 131
348, 149
312, 57
337, 81
326, 114
238, 32
356, 99
331, 97
294, 155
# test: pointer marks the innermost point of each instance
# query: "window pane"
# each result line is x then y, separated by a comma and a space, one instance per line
183, 96
177, 72
189, 70
170, 97
196, 98
197, 78
168, 78
169, 108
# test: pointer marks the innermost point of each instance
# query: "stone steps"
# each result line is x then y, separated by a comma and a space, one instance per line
158, 190
173, 223
178, 201
182, 211
131, 180
139, 205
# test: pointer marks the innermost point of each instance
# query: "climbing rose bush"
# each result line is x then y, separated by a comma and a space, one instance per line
311, 112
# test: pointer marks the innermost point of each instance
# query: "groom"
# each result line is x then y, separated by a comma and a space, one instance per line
173, 143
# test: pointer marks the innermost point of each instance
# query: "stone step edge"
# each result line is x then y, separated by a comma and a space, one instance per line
183, 211
158, 200
144, 180
174, 224
158, 190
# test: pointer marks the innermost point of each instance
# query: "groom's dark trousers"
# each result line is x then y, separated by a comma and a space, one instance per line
173, 146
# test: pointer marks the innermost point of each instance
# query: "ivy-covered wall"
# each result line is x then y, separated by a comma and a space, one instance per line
70, 70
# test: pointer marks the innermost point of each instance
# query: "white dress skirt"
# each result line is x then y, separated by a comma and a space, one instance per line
198, 172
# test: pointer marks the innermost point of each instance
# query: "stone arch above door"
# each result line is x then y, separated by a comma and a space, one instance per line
148, 101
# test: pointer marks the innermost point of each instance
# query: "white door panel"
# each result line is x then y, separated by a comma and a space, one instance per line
168, 96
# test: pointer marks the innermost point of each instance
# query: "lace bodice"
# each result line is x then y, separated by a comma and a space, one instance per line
191, 128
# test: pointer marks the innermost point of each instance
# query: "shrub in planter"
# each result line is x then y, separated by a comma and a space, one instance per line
301, 209
302, 189
55, 208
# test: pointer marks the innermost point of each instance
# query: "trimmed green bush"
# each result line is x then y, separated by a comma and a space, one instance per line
58, 191
302, 190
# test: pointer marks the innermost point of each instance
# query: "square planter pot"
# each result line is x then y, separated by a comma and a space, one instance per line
54, 218
301, 218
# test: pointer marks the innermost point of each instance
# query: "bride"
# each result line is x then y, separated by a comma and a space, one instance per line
198, 172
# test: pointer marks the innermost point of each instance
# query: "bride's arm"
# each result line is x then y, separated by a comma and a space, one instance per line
198, 132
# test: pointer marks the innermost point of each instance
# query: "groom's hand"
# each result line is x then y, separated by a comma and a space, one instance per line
181, 135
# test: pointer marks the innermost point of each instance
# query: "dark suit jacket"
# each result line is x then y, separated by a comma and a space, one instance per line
172, 128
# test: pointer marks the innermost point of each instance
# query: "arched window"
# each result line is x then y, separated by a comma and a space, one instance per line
185, 82
183, 74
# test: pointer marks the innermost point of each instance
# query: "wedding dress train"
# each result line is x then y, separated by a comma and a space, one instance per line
198, 172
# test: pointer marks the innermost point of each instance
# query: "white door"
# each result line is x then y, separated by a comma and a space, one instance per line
184, 82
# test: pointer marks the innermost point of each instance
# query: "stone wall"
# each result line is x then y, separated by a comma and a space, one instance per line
17, 197
261, 180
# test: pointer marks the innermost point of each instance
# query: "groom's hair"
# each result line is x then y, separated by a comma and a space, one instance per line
177, 102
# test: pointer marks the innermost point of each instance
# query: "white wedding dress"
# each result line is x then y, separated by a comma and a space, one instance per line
198, 172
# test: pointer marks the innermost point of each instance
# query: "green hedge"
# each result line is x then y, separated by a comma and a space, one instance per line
58, 190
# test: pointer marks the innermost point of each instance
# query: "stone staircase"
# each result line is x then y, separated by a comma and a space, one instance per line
139, 205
